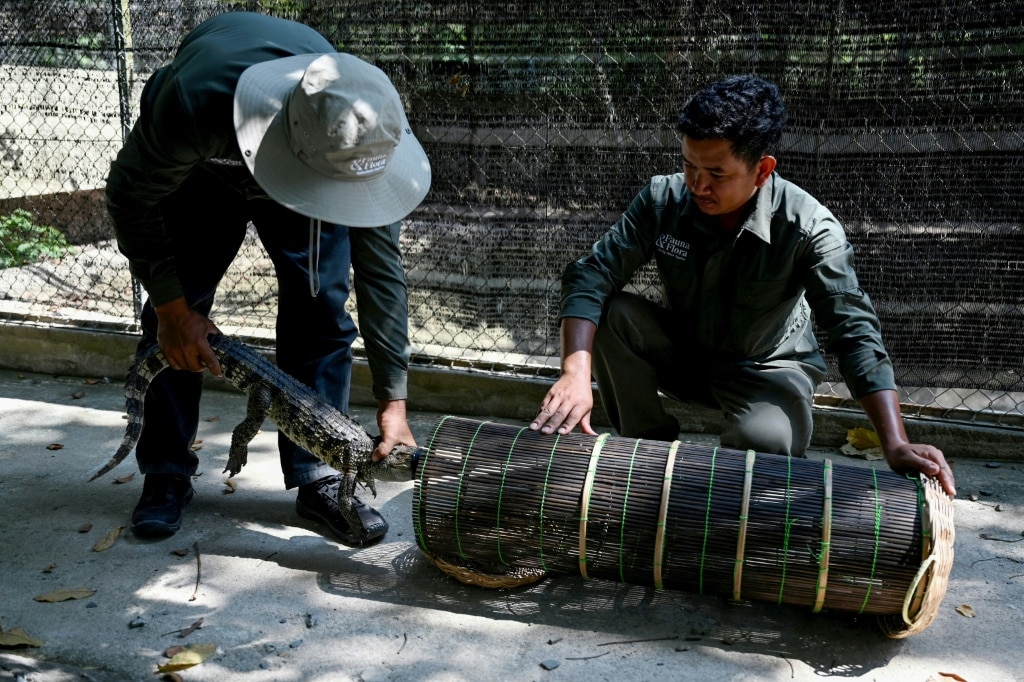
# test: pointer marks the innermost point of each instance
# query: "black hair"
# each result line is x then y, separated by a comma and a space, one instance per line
745, 110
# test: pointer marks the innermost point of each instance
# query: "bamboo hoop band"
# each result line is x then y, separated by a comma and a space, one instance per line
912, 595
929, 585
826, 540
931, 536
588, 487
915, 593
659, 538
741, 540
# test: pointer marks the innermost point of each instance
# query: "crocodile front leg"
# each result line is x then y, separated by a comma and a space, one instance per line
256, 410
353, 460
346, 490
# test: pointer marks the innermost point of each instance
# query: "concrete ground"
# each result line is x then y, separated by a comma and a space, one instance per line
279, 601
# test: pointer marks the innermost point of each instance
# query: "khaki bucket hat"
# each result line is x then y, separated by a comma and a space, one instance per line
326, 135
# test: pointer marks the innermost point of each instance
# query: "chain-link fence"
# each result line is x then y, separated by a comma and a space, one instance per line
541, 123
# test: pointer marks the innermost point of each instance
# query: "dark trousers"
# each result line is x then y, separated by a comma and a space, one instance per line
639, 350
207, 221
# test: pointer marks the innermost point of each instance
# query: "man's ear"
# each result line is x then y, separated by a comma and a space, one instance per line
764, 169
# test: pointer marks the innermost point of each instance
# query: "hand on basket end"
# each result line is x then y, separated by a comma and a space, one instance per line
927, 459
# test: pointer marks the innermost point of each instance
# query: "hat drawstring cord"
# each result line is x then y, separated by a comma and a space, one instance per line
314, 256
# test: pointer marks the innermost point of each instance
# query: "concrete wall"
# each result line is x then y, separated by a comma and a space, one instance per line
77, 352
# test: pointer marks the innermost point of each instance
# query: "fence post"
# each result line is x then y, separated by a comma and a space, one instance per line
125, 60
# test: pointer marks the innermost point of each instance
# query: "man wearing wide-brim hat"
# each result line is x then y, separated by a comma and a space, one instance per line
260, 120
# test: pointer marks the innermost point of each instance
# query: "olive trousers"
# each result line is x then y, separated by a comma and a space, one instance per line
640, 349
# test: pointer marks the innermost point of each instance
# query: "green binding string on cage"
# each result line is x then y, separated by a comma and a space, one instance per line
543, 497
878, 534
625, 503
462, 480
420, 536
707, 522
787, 527
501, 493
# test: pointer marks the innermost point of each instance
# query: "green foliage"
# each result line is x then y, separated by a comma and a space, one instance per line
23, 241
81, 53
290, 9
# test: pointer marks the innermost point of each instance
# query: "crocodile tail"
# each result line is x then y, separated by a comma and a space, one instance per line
148, 363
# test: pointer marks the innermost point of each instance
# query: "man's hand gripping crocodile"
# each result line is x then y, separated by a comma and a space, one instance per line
297, 411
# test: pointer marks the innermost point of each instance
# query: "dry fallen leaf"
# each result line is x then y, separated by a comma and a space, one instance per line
862, 438
173, 651
870, 454
85, 528
193, 655
950, 676
54, 446
49, 569
183, 551
124, 479
213, 419
78, 394
93, 382
17, 637
197, 446
231, 486
107, 541
65, 595
966, 610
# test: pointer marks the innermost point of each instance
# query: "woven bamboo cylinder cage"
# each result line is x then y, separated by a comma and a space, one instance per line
498, 505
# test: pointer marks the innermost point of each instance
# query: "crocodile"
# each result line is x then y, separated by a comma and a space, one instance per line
298, 412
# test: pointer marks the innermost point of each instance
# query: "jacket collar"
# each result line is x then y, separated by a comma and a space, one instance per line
759, 222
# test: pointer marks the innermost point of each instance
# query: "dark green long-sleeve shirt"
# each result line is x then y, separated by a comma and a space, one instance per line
746, 295
186, 121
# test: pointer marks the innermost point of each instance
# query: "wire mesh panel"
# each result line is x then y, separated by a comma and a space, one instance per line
541, 123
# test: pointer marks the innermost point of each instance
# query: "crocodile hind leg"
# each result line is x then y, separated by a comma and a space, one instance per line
256, 410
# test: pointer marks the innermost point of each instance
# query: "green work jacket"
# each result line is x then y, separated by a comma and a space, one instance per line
186, 122
748, 295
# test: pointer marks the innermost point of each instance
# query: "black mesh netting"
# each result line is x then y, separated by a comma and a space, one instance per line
542, 121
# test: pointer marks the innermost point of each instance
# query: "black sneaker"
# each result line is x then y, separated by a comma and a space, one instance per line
318, 501
158, 513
